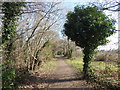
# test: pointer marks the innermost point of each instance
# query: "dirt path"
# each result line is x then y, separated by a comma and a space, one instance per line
65, 77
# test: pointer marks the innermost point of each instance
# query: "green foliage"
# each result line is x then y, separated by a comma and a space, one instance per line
89, 28
10, 10
103, 73
46, 51
69, 52
8, 73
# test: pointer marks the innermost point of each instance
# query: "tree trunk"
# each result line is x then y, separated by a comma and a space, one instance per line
87, 60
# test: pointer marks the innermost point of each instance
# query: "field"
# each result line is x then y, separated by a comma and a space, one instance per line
104, 73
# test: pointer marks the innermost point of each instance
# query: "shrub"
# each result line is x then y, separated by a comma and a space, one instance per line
106, 56
8, 75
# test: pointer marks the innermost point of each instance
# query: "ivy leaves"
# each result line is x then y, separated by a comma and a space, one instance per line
88, 26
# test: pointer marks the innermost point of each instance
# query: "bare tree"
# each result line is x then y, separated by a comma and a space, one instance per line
36, 30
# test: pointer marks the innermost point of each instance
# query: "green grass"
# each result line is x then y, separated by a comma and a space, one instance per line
78, 64
48, 66
104, 65
104, 71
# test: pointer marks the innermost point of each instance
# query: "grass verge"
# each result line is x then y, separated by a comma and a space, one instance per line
106, 73
48, 66
77, 63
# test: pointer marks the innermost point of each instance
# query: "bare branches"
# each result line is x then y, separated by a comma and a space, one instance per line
108, 8
37, 25
108, 5
35, 28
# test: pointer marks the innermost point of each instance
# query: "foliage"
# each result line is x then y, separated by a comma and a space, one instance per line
24, 38
69, 49
65, 47
10, 10
47, 51
103, 73
7, 75
89, 28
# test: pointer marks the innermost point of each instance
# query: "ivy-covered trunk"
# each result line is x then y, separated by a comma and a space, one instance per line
10, 12
88, 54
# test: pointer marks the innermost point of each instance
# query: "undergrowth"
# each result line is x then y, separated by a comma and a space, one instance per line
102, 73
48, 66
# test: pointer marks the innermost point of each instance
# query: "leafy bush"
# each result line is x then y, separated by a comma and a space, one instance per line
8, 75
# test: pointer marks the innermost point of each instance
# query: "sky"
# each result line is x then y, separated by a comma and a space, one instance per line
68, 5
113, 44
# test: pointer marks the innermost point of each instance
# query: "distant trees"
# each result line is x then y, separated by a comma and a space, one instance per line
89, 28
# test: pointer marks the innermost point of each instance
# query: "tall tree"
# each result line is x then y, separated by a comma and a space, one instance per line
10, 11
89, 28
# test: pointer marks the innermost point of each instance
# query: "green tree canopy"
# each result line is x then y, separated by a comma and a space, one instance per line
88, 27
